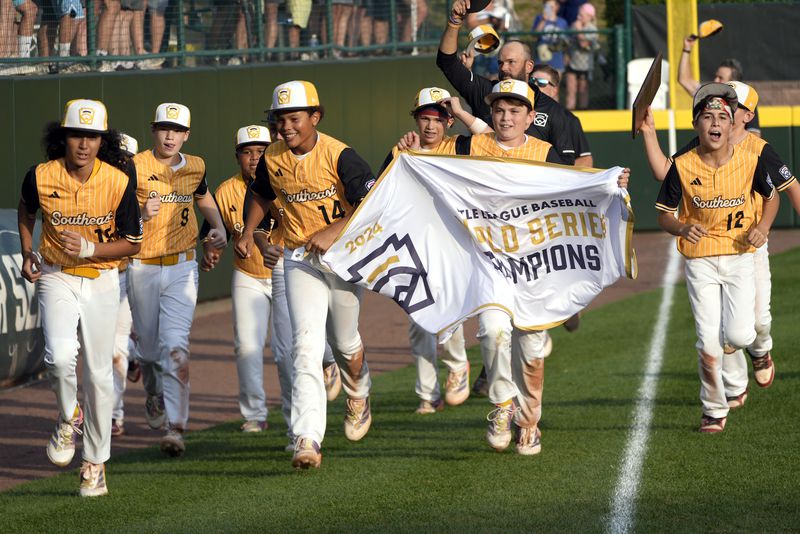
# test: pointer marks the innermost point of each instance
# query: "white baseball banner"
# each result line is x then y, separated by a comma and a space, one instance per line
447, 237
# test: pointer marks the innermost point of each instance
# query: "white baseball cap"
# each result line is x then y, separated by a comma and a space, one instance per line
294, 95
129, 144
172, 113
251, 135
429, 96
85, 115
746, 95
516, 89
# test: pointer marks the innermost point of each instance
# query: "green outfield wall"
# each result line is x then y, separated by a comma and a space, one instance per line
367, 104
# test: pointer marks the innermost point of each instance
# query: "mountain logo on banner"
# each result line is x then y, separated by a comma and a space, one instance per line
395, 270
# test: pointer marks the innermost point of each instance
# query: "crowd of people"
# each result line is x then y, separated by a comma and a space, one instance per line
47, 28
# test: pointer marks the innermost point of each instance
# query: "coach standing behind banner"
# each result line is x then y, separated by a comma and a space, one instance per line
515, 61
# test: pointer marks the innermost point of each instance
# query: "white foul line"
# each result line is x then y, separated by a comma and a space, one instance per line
623, 506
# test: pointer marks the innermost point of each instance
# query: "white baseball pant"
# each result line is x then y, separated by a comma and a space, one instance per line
721, 291
256, 304
527, 365
763, 343
424, 348
163, 300
66, 302
124, 348
320, 301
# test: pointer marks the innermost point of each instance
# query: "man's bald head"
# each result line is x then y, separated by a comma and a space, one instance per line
515, 61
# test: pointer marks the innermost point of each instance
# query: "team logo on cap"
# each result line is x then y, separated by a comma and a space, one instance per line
173, 112
506, 86
86, 116
436, 94
124, 146
253, 132
284, 95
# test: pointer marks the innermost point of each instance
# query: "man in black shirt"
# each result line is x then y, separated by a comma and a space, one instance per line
550, 124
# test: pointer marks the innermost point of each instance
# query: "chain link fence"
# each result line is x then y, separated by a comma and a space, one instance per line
63, 36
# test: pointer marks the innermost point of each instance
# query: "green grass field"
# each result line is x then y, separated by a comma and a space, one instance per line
437, 474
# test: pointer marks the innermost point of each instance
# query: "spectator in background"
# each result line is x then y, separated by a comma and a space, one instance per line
581, 59
342, 13
568, 10
375, 23
550, 47
158, 24
548, 79
105, 28
129, 28
271, 22
408, 30
28, 10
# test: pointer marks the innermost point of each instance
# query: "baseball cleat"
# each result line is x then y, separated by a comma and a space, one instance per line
172, 443
428, 407
499, 432
93, 480
480, 388
712, 425
306, 454
134, 371
289, 446
529, 441
61, 447
117, 428
737, 401
763, 370
333, 381
456, 389
250, 427
154, 411
357, 418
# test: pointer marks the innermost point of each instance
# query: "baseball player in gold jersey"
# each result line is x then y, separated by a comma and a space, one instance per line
433, 121
318, 180
735, 365
514, 359
162, 277
90, 219
718, 232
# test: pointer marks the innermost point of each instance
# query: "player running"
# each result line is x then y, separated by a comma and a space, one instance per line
514, 359
718, 231
90, 219
433, 121
317, 180
162, 277
735, 367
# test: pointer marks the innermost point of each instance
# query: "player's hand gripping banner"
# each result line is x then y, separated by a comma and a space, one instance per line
448, 237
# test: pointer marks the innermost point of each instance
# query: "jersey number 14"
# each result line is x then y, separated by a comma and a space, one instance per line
337, 212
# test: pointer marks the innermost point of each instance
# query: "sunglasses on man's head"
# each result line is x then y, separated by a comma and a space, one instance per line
543, 82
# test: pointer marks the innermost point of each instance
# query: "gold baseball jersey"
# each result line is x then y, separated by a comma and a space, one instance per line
720, 199
104, 208
230, 197
778, 171
174, 229
447, 146
486, 144
314, 189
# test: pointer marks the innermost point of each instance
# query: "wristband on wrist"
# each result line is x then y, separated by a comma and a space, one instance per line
452, 21
687, 51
